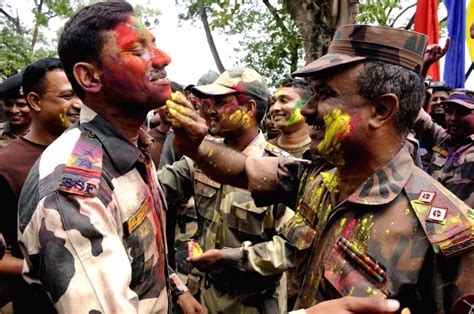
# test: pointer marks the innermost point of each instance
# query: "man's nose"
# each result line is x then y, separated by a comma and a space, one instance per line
310, 107
276, 106
159, 58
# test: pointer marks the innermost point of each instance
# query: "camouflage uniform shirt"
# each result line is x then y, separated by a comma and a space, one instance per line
91, 223
230, 220
452, 163
396, 236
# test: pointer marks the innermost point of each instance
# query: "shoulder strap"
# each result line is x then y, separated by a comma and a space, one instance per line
276, 151
446, 220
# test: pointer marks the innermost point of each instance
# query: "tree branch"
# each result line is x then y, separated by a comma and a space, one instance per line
210, 40
401, 13
277, 17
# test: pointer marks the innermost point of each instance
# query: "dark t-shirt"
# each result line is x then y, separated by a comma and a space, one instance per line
16, 160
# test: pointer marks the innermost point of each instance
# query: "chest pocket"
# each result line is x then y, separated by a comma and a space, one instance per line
464, 168
205, 195
438, 160
249, 218
343, 276
139, 236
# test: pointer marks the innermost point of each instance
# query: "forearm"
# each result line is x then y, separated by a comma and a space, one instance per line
426, 131
221, 163
11, 265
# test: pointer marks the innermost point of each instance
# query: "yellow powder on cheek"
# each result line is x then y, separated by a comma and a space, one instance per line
337, 128
64, 120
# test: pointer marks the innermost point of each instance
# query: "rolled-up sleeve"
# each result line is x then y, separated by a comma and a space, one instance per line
273, 180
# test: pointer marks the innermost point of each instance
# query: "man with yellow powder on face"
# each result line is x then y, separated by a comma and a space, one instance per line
290, 96
229, 221
54, 107
379, 227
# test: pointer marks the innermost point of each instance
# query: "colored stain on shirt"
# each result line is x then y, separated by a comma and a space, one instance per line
331, 181
337, 128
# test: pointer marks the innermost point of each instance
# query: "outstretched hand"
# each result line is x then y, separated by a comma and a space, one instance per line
203, 261
190, 129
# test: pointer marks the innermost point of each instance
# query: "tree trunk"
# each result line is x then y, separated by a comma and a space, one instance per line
39, 7
210, 40
317, 21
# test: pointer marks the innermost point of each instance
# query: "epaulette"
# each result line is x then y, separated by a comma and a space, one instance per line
276, 151
446, 220
83, 169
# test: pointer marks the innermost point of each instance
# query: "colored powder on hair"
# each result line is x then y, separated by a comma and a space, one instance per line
337, 128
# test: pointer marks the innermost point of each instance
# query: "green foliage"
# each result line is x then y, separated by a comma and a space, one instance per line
272, 46
378, 12
14, 48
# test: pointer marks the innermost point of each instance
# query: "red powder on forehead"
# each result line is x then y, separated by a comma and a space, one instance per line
127, 35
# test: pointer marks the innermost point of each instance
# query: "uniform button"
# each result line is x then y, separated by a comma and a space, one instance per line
91, 134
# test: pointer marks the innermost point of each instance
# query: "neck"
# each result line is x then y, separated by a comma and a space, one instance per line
296, 137
361, 165
127, 122
241, 141
19, 130
40, 134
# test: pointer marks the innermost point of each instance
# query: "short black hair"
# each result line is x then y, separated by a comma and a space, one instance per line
378, 78
35, 74
302, 86
83, 37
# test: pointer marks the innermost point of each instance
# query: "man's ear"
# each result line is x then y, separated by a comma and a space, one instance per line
34, 100
251, 106
88, 77
385, 108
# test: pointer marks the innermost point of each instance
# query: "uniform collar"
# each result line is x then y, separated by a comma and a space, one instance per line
257, 146
122, 152
387, 183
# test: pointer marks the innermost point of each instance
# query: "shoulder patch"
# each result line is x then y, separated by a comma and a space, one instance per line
276, 151
83, 169
445, 219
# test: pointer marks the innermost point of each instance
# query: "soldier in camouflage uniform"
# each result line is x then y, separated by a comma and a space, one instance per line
377, 225
451, 148
229, 221
91, 212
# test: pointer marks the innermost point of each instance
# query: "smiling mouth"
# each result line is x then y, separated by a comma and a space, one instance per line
73, 116
159, 77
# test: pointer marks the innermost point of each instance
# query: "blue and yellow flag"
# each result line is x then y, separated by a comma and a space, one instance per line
455, 57
469, 22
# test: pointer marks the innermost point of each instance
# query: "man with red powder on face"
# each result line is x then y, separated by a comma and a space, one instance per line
91, 211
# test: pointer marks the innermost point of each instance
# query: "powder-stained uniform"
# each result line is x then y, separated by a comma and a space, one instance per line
230, 220
452, 163
401, 234
91, 223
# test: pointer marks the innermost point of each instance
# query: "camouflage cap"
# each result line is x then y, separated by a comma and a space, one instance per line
463, 97
11, 88
237, 80
353, 43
